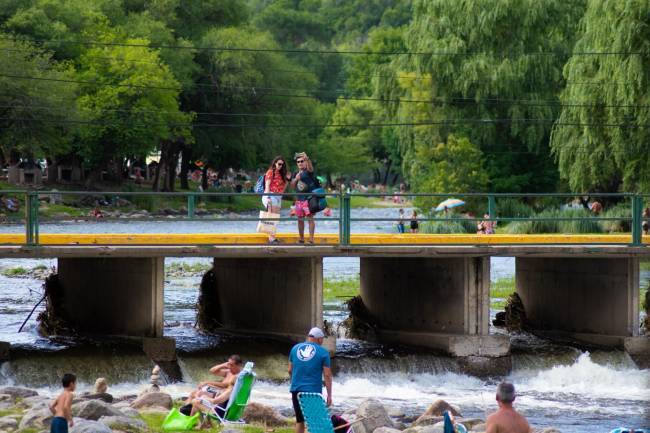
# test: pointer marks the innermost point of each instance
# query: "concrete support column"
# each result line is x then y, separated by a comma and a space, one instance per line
270, 296
591, 299
441, 303
114, 296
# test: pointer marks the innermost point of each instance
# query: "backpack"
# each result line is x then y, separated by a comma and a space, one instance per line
259, 185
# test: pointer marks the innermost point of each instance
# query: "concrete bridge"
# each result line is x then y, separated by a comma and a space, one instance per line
423, 290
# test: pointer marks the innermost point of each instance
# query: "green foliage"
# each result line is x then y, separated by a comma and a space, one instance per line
15, 272
455, 225
592, 156
623, 225
513, 208
589, 223
496, 37
500, 290
335, 289
30, 124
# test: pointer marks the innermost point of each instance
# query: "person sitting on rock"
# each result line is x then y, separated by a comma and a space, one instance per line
229, 370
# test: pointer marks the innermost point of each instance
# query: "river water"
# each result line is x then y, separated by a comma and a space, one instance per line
559, 386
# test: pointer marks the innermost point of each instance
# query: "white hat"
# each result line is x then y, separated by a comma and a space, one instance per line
316, 332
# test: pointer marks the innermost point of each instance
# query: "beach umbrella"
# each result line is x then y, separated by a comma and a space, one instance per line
449, 203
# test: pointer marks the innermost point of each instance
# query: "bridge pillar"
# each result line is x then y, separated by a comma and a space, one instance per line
595, 300
280, 297
441, 303
113, 296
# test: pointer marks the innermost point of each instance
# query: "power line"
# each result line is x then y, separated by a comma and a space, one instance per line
338, 52
331, 125
487, 101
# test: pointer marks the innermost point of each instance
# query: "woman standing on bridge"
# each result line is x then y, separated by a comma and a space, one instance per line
304, 182
275, 181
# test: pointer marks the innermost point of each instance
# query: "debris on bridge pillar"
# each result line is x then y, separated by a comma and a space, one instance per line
53, 320
208, 315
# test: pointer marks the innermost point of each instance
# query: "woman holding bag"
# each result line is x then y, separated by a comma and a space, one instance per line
276, 180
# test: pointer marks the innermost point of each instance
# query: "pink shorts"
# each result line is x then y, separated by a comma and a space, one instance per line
302, 208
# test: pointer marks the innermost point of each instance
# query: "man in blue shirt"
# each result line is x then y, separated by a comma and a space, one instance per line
309, 363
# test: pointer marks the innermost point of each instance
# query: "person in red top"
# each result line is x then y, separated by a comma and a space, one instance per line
275, 181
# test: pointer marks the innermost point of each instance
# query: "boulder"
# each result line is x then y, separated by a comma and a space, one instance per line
94, 409
438, 408
5, 397
386, 430
153, 399
8, 424
437, 428
262, 414
395, 412
479, 428
375, 416
470, 423
36, 401
123, 423
35, 418
425, 420
18, 392
103, 396
88, 426
130, 412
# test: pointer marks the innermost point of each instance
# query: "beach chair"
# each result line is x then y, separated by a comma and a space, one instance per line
317, 416
233, 411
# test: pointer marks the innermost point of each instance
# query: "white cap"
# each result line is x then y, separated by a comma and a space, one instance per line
316, 332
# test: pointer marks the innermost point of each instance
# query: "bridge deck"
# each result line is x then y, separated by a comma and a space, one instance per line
253, 245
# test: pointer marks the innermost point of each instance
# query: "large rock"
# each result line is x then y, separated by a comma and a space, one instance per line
479, 428
36, 418
375, 416
8, 424
262, 414
425, 420
123, 423
438, 408
470, 423
103, 396
438, 428
94, 409
87, 426
153, 399
18, 392
386, 430
130, 412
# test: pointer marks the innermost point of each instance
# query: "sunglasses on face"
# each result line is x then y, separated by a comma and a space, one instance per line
280, 163
300, 161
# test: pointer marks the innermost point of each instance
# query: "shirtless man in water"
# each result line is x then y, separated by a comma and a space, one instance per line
506, 419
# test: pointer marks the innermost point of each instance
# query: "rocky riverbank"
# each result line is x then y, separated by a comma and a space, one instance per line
23, 410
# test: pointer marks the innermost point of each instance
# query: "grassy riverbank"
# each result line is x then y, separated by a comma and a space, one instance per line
154, 422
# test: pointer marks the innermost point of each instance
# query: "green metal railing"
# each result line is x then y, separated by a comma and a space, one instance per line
488, 201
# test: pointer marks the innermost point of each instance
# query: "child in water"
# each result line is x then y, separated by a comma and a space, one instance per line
62, 407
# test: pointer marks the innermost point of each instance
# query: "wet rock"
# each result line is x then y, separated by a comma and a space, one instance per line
438, 408
5, 397
479, 428
262, 414
94, 409
386, 430
130, 412
36, 418
103, 396
36, 401
87, 426
426, 420
18, 392
123, 423
153, 399
484, 366
395, 412
470, 423
8, 423
375, 415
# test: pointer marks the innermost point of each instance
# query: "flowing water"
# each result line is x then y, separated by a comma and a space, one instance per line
558, 385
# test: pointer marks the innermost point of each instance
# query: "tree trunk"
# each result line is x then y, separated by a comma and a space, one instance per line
388, 165
204, 177
186, 154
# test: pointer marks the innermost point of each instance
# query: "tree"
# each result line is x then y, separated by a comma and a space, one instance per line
130, 107
602, 144
498, 45
35, 113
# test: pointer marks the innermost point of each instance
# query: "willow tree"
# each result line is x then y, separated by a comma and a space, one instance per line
494, 65
602, 135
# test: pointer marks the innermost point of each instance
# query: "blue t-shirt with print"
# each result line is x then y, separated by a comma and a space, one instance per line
307, 362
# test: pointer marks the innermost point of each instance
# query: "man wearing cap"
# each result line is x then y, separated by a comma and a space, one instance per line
309, 362
506, 419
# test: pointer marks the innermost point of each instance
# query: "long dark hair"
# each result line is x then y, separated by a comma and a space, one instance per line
283, 170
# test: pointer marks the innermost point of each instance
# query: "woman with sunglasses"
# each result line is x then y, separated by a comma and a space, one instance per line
275, 181
304, 182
